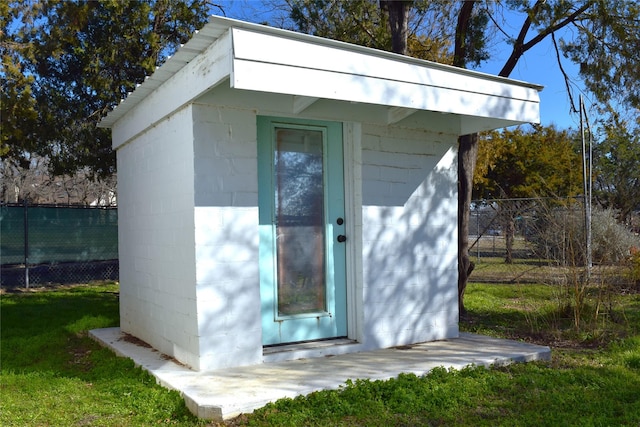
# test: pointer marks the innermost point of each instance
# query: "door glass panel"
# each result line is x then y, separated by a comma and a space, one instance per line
299, 219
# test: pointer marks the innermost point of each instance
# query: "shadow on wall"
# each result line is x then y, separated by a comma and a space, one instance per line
410, 257
409, 223
228, 291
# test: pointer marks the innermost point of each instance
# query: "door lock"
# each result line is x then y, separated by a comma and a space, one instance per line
342, 238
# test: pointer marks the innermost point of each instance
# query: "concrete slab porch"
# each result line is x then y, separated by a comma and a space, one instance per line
224, 394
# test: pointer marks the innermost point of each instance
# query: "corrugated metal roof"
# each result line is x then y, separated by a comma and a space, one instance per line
202, 39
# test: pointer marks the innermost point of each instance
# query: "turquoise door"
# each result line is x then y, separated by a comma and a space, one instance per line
302, 230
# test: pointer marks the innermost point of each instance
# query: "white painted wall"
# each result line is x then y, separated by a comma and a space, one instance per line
409, 222
189, 236
156, 238
226, 230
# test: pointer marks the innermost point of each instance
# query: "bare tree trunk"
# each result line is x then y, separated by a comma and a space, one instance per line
398, 11
509, 235
467, 155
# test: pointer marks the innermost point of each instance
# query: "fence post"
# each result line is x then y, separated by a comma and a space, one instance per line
478, 231
26, 244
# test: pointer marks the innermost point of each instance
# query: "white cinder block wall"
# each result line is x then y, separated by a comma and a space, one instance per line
156, 238
189, 237
226, 228
409, 222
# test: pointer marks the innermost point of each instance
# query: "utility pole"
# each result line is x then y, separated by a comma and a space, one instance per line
587, 187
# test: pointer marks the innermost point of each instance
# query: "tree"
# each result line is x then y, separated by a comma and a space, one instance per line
398, 17
469, 46
606, 46
603, 30
617, 168
36, 185
368, 23
605, 34
19, 112
516, 164
540, 162
67, 63
359, 22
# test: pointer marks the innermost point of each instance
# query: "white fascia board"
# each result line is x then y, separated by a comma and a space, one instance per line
396, 114
270, 63
187, 83
471, 124
301, 103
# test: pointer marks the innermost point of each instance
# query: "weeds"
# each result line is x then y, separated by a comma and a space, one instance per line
634, 267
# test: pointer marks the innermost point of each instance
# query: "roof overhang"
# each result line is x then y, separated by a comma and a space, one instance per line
270, 60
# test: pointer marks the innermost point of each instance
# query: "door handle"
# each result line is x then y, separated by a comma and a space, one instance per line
342, 238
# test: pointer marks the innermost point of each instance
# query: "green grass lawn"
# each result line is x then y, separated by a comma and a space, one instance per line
536, 271
53, 375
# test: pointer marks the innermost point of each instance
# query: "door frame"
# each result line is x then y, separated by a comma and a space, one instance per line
267, 266
352, 146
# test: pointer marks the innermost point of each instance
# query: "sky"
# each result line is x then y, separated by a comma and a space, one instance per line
538, 65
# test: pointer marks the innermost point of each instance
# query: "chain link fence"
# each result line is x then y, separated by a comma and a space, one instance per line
529, 237
488, 229
43, 245
528, 228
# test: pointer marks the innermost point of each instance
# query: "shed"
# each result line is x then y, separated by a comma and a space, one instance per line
284, 196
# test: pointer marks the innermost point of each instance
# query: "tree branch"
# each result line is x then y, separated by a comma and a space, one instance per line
462, 27
495, 22
364, 29
520, 48
564, 74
